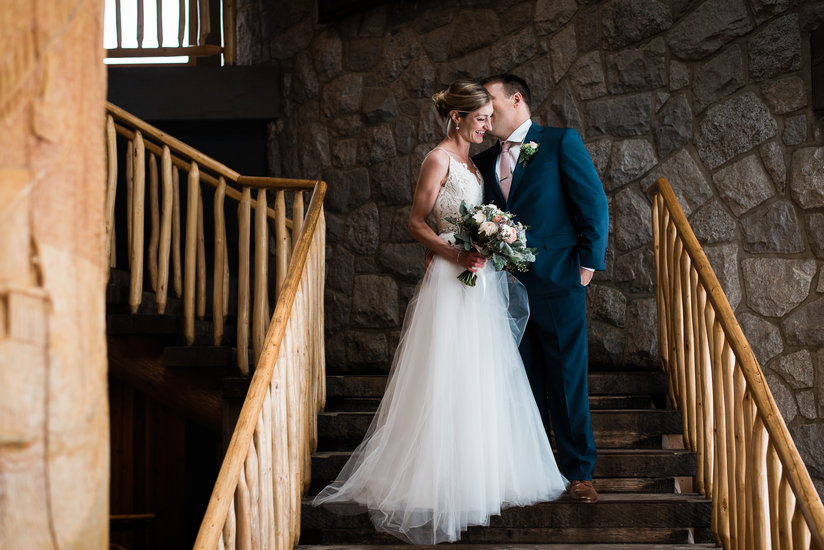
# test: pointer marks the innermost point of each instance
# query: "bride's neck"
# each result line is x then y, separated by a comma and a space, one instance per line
456, 144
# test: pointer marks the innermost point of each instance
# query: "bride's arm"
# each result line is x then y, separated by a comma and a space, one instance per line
433, 172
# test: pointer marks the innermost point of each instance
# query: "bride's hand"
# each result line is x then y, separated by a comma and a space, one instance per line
471, 261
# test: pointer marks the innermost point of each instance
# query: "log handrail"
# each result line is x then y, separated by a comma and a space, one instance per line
747, 461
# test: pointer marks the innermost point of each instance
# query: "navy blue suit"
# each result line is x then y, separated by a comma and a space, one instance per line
559, 196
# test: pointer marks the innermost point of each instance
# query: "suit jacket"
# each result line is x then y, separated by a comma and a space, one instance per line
559, 196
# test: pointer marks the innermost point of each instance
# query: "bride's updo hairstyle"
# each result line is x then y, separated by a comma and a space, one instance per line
463, 96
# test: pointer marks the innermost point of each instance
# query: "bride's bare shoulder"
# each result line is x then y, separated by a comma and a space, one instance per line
437, 161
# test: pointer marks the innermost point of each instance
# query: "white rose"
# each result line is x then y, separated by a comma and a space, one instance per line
488, 228
479, 217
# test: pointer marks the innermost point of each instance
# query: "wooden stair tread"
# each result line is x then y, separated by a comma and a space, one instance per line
612, 428
530, 535
641, 546
383, 369
600, 383
611, 463
596, 402
613, 510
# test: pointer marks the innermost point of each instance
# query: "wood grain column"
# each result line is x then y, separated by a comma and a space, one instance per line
54, 425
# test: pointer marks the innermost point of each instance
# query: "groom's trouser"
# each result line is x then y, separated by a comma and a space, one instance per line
554, 350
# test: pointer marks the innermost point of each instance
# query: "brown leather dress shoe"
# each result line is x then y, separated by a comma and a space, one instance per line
582, 491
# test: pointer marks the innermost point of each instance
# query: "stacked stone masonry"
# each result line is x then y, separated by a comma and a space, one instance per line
713, 95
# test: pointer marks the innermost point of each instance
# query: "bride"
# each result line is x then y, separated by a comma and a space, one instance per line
457, 436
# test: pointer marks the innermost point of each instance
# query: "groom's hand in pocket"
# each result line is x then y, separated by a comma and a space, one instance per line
586, 276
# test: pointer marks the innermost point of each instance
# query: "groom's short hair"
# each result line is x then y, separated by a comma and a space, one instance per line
512, 84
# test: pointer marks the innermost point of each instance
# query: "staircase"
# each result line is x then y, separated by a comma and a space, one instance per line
171, 419
643, 475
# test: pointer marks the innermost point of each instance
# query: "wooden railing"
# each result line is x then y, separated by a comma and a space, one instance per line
175, 255
198, 14
747, 463
256, 499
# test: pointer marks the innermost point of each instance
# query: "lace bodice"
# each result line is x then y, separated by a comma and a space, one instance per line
461, 185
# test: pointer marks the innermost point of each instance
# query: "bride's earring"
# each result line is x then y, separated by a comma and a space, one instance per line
457, 127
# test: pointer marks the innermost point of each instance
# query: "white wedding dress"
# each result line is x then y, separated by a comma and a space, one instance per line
457, 436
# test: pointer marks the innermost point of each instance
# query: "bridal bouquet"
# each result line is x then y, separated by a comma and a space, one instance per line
491, 232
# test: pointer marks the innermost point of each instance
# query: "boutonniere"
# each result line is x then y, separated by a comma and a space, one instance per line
528, 151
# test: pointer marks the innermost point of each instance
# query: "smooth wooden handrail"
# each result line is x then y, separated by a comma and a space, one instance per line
749, 405
236, 454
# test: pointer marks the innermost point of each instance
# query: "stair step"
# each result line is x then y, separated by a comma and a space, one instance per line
628, 383
573, 546
622, 464
367, 404
600, 383
593, 523
127, 324
578, 538
604, 485
621, 402
612, 428
199, 356
378, 369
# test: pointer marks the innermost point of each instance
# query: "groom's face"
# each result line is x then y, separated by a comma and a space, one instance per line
505, 110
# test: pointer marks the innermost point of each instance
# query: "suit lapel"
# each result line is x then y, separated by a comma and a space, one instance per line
534, 134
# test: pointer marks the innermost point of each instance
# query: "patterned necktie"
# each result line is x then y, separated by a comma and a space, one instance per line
506, 169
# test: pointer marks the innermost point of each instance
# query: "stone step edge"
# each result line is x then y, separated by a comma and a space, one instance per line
617, 546
614, 498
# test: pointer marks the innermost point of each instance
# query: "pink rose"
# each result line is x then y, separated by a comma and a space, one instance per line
508, 234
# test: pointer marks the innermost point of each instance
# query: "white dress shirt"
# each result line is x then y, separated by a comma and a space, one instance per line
518, 137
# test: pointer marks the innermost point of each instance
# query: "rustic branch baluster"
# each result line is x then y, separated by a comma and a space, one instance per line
111, 187
219, 263
138, 215
244, 233
177, 269
165, 230
260, 309
154, 220
201, 259
282, 260
190, 254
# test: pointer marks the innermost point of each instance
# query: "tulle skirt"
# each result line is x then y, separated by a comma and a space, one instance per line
457, 436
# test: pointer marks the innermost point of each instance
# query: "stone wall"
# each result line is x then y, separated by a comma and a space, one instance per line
714, 95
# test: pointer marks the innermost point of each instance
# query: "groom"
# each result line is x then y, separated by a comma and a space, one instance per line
546, 178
